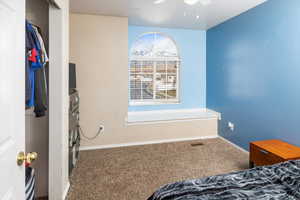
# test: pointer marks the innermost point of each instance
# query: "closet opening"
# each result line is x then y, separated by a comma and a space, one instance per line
36, 92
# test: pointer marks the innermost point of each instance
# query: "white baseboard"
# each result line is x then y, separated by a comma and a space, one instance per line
236, 146
66, 191
110, 146
85, 148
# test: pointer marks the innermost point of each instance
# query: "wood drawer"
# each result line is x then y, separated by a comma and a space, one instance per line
261, 157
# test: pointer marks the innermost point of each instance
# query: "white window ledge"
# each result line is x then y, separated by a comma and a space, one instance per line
137, 117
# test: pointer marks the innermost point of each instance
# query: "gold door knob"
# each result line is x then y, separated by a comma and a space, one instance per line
29, 158
21, 158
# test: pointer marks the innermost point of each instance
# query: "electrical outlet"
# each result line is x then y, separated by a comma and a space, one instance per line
231, 126
101, 128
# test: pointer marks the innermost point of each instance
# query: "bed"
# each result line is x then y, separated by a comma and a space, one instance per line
280, 181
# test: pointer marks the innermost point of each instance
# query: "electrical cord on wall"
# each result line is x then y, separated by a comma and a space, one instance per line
90, 138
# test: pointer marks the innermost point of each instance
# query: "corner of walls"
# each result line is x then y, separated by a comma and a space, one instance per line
205, 67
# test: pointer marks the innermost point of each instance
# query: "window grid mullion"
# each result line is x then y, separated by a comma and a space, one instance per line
177, 79
154, 80
141, 80
166, 83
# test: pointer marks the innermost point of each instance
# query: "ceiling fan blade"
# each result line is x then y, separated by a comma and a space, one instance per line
205, 2
191, 2
159, 1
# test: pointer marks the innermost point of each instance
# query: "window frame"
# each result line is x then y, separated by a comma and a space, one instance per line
154, 101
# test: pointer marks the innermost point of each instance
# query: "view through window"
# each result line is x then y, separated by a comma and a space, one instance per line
154, 69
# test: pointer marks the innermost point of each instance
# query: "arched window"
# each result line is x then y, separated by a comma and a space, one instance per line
154, 70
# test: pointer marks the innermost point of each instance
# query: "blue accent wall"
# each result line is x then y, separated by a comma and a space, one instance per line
253, 73
192, 49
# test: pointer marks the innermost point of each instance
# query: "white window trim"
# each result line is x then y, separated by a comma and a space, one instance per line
153, 102
140, 58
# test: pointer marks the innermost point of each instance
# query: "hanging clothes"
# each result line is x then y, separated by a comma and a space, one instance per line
29, 76
43, 51
43, 89
29, 184
36, 59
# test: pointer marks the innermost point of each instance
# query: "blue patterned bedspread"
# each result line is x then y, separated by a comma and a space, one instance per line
281, 181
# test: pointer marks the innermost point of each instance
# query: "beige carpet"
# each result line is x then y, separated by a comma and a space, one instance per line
134, 173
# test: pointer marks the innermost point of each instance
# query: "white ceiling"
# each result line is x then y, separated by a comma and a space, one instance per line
171, 13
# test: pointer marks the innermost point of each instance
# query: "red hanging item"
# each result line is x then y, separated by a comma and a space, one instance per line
32, 55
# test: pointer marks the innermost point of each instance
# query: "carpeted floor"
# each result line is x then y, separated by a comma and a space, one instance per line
134, 173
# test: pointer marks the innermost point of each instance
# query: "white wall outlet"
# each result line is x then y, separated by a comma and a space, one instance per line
101, 128
231, 126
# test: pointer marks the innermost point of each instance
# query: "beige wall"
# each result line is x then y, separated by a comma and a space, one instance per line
99, 47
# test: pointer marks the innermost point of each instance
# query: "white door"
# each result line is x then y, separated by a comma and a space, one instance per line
12, 98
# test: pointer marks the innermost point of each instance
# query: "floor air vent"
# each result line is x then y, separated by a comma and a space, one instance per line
197, 144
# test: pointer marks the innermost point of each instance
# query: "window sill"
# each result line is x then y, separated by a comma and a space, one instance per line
159, 116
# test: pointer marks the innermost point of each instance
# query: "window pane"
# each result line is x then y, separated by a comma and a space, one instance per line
164, 46
148, 67
161, 67
133, 69
171, 94
147, 93
144, 46
147, 81
147, 86
154, 44
172, 67
135, 81
161, 94
161, 80
135, 94
135, 66
171, 80
135, 84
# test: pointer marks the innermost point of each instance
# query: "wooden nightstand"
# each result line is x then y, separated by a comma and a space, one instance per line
269, 152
